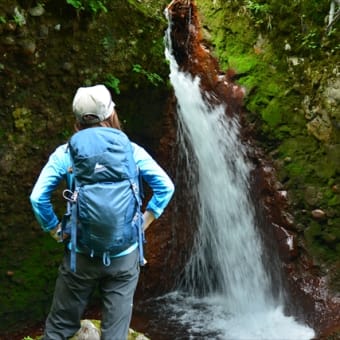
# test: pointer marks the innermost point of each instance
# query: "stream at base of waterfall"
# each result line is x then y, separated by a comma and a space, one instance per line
181, 316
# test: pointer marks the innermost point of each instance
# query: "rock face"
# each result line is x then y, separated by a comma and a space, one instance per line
310, 298
193, 56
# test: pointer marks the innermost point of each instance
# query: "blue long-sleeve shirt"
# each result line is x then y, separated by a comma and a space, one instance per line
56, 170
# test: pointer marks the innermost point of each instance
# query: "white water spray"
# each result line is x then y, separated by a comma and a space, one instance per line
226, 269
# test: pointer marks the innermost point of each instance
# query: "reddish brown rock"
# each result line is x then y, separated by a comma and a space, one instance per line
287, 244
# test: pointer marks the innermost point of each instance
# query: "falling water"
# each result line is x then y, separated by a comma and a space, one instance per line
227, 292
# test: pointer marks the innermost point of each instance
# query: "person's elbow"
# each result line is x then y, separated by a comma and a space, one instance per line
34, 200
168, 192
170, 189
46, 219
37, 200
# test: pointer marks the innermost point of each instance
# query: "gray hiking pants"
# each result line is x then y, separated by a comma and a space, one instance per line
117, 284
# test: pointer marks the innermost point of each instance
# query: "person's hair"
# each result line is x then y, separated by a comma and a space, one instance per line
112, 121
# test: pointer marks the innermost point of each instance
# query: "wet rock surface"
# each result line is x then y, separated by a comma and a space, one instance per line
310, 296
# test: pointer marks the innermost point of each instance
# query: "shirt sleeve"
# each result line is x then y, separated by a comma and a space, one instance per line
160, 183
52, 173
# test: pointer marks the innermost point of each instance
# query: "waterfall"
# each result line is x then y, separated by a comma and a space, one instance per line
226, 291
227, 251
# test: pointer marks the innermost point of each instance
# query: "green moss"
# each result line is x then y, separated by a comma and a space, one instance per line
243, 63
30, 281
150, 8
322, 244
324, 169
306, 168
300, 146
297, 169
312, 232
334, 201
22, 119
272, 114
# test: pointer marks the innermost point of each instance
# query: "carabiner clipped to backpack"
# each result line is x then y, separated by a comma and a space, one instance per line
106, 259
70, 196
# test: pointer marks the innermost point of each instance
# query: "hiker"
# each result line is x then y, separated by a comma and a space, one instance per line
116, 274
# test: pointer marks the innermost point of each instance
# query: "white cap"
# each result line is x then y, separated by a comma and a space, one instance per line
92, 104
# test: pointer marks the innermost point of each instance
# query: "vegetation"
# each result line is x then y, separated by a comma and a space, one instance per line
154, 78
113, 83
89, 5
286, 57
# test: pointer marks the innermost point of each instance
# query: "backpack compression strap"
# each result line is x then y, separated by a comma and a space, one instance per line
74, 233
141, 238
72, 213
71, 195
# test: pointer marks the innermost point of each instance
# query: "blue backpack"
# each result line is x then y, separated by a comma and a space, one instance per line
104, 207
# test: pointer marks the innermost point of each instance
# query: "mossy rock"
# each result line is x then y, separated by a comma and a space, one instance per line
95, 324
323, 242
